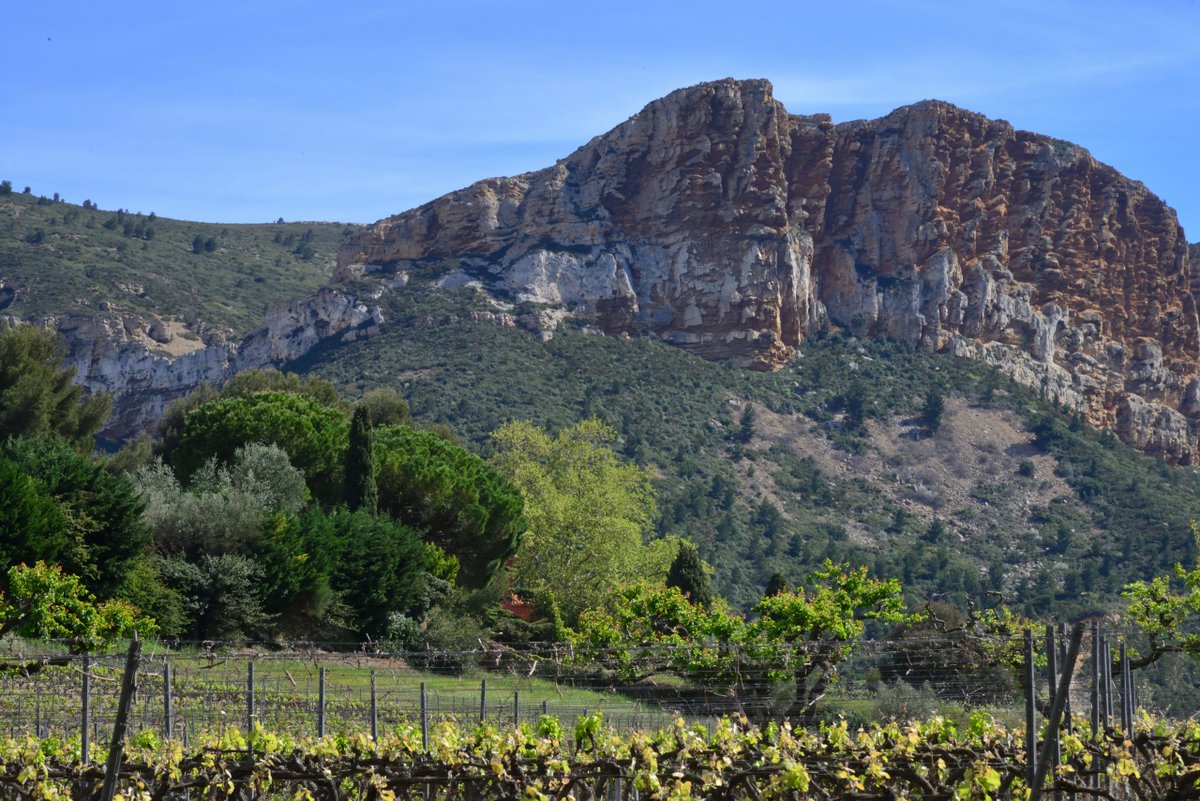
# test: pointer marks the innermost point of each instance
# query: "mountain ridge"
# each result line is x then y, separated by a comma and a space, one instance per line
717, 221
1012, 493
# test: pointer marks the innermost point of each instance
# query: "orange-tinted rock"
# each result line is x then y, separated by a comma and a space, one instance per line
719, 222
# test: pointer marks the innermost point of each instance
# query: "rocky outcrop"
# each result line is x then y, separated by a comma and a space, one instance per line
115, 354
718, 221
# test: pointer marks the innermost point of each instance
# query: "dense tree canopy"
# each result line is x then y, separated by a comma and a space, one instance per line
37, 397
380, 566
246, 382
386, 406
454, 497
224, 508
690, 575
313, 435
60, 506
589, 514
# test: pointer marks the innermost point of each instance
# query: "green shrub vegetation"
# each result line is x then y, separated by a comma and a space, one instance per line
80, 517
98, 262
758, 493
467, 508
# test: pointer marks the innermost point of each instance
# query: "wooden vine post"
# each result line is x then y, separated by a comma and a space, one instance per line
1056, 712
116, 749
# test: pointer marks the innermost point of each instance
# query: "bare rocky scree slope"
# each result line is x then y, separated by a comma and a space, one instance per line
721, 223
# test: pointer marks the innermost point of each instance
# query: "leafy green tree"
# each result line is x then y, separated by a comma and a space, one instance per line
224, 508
170, 425
197, 243
43, 602
222, 595
856, 402
342, 572
381, 567
248, 382
769, 518
37, 397
5, 188
589, 513
136, 452
32, 524
690, 575
775, 585
386, 405
788, 653
1166, 610
144, 587
746, 426
297, 554
313, 435
453, 497
62, 507
361, 489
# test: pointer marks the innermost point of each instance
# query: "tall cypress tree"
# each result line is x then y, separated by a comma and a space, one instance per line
361, 491
689, 575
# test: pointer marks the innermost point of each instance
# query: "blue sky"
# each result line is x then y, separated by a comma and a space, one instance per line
248, 111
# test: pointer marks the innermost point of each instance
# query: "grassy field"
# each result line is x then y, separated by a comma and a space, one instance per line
211, 692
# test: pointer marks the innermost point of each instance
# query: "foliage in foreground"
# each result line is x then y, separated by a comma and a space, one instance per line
796, 638
935, 759
43, 602
1166, 610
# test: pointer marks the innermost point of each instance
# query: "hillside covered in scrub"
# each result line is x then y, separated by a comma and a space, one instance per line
948, 395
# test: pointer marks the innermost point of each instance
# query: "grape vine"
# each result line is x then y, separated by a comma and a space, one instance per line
935, 759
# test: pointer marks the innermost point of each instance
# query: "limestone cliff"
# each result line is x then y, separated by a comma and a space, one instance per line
126, 357
720, 222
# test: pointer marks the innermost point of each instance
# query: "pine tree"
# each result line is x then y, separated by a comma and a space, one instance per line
775, 585
746, 428
933, 410
361, 491
857, 406
690, 576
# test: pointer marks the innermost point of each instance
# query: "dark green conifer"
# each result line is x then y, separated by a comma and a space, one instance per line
775, 585
689, 575
361, 490
933, 410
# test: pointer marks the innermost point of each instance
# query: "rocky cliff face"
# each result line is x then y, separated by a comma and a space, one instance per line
119, 354
720, 222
